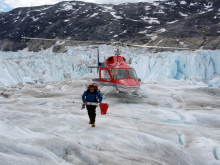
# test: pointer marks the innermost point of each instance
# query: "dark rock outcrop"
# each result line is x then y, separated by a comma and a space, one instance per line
180, 23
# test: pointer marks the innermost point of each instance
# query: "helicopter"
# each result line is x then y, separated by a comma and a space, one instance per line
114, 71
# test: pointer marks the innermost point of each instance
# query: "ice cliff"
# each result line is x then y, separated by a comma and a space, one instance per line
202, 66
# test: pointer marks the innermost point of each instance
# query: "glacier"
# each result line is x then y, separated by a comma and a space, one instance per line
45, 66
174, 120
201, 66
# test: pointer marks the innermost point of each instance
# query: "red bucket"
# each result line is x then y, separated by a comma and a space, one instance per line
104, 108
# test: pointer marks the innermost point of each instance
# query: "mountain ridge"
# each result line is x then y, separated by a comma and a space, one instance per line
185, 23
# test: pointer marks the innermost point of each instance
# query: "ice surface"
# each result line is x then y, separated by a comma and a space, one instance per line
172, 122
215, 82
26, 79
44, 66
202, 65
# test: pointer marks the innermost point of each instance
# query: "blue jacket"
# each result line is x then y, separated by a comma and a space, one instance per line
91, 97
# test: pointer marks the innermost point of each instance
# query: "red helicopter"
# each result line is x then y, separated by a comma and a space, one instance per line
115, 72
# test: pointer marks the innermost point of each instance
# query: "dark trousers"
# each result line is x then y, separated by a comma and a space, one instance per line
91, 113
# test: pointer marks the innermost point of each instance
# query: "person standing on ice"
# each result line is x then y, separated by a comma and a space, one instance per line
90, 96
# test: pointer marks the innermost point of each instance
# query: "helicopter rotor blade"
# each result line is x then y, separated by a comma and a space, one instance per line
47, 39
100, 42
158, 47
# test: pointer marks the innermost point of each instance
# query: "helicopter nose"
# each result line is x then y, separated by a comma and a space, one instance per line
128, 85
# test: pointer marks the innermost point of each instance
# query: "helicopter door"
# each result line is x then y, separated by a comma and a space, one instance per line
105, 76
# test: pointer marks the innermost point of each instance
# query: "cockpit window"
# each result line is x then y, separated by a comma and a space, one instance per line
132, 73
120, 74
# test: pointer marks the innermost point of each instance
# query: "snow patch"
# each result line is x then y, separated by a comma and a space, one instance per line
141, 32
156, 3
107, 8
150, 20
171, 3
161, 30
67, 7
183, 2
184, 15
34, 19
210, 5
148, 27
183, 45
115, 16
147, 7
95, 14
46, 8
154, 37
159, 42
172, 22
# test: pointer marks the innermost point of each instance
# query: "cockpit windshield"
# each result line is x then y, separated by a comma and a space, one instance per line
132, 73
120, 74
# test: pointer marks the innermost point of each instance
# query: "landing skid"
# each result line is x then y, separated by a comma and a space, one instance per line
100, 88
133, 94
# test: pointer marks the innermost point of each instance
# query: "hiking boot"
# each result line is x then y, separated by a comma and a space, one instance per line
90, 122
93, 125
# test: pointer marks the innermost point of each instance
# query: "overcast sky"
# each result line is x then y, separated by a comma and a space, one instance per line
7, 5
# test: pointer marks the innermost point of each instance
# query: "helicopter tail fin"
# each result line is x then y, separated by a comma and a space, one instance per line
99, 64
